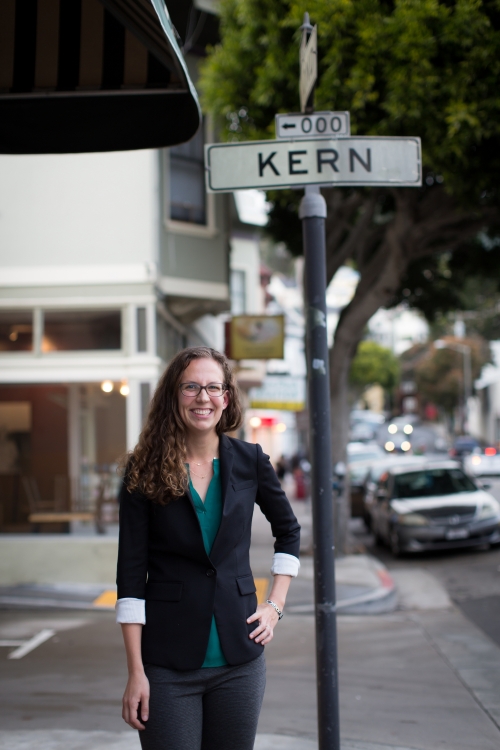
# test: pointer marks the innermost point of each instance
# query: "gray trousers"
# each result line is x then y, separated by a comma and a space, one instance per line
214, 708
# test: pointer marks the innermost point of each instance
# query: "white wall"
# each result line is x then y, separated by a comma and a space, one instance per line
78, 210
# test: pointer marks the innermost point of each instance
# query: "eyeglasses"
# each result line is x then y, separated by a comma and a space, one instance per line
194, 389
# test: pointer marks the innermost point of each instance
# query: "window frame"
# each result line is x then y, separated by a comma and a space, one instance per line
38, 314
207, 230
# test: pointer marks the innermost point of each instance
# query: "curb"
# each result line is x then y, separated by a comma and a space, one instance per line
378, 600
364, 600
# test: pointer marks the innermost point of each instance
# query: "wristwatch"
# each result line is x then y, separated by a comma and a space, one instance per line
278, 610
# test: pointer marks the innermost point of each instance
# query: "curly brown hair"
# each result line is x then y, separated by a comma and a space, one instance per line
156, 466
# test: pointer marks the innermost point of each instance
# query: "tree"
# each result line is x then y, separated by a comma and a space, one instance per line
410, 67
373, 364
439, 373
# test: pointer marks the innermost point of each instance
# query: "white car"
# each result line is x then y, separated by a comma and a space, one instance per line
433, 507
357, 451
483, 463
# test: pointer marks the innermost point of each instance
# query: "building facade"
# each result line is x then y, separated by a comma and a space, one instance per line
109, 264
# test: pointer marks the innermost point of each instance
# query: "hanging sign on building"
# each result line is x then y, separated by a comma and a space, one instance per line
257, 337
279, 392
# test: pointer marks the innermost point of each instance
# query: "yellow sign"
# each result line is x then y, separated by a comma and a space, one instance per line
283, 392
257, 337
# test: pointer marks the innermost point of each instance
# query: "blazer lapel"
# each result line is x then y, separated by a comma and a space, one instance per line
226, 465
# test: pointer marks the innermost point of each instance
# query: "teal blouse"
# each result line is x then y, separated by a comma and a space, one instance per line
209, 515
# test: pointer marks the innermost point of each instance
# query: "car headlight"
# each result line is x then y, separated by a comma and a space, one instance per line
413, 519
488, 510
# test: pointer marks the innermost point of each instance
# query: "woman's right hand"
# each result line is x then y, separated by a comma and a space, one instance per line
136, 693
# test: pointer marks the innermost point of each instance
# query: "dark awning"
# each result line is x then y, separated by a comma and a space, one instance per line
92, 75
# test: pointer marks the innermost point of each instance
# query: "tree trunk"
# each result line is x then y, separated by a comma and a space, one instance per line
378, 283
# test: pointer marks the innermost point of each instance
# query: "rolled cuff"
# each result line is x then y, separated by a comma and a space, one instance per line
285, 565
129, 610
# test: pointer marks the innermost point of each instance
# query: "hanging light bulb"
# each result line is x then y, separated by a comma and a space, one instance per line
107, 386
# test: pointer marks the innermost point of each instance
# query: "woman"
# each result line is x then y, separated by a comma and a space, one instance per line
194, 635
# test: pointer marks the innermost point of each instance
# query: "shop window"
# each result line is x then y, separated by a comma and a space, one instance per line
16, 330
81, 330
187, 182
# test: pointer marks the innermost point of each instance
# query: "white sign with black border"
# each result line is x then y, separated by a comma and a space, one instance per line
316, 125
267, 165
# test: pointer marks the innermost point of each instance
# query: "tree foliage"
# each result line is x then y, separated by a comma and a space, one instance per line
427, 68
374, 364
439, 374
410, 67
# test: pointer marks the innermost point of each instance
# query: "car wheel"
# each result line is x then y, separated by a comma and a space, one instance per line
394, 543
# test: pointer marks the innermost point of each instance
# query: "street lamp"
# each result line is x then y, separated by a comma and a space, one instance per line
465, 350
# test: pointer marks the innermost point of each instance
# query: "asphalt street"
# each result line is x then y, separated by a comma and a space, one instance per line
471, 577
423, 677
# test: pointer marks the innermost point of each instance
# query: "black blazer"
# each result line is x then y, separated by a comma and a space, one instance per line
162, 559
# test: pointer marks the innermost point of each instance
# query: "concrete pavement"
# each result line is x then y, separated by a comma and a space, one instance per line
418, 677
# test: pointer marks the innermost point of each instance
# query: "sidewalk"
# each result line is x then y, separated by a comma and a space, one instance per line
415, 676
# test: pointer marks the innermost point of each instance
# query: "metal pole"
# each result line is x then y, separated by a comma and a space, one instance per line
467, 382
313, 214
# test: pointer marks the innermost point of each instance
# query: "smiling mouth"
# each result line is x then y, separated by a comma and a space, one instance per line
202, 412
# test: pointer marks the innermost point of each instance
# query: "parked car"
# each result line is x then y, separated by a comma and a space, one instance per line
364, 424
483, 463
433, 507
463, 446
358, 451
360, 457
373, 474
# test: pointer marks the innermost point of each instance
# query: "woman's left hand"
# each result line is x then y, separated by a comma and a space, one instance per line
267, 617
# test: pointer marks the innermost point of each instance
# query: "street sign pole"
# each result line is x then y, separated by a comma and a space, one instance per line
312, 149
312, 211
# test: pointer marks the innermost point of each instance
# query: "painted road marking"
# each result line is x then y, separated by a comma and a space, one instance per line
28, 646
107, 600
261, 585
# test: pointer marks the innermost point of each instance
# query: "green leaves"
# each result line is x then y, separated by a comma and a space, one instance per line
374, 364
410, 67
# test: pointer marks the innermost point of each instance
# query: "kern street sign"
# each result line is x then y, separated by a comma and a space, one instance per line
319, 124
308, 66
267, 165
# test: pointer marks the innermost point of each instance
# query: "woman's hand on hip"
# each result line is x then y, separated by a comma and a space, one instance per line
267, 617
136, 700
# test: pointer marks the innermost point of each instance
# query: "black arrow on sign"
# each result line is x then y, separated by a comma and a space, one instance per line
289, 125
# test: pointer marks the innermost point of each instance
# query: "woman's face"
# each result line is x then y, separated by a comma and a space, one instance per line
202, 413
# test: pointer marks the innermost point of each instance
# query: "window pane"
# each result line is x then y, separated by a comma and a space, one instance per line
81, 330
142, 345
237, 291
16, 330
187, 181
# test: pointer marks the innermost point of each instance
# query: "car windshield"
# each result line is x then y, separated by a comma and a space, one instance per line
431, 482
